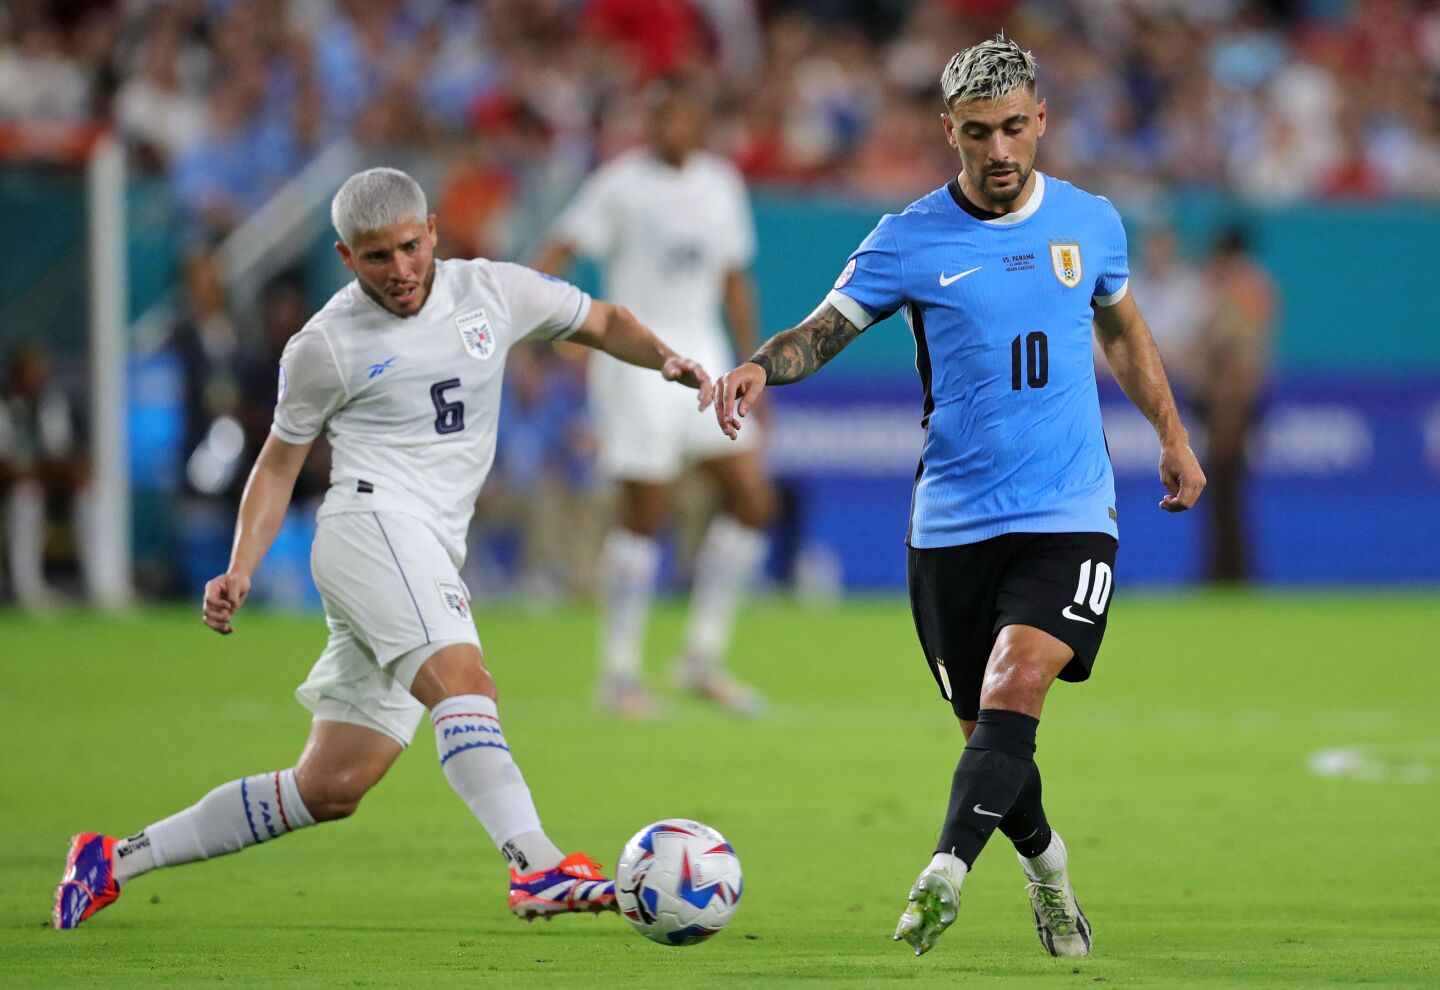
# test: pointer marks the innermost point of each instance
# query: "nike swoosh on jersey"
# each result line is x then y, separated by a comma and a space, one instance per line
1075, 618
955, 278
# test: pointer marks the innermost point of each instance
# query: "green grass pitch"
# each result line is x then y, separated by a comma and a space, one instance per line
1205, 849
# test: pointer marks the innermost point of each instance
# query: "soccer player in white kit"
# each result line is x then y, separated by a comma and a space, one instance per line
671, 225
402, 369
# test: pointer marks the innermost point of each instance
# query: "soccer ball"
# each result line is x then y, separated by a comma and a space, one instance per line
678, 881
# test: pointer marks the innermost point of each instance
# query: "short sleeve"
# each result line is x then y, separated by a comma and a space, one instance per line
1113, 278
590, 222
542, 307
310, 388
738, 239
871, 286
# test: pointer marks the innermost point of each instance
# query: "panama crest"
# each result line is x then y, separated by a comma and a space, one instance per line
453, 597
476, 334
1065, 259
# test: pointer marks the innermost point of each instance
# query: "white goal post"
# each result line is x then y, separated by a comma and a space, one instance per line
106, 248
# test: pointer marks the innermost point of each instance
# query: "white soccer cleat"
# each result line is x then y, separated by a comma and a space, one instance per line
628, 699
934, 906
719, 689
1061, 925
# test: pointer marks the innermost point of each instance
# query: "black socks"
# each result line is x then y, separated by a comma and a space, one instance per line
1025, 825
996, 768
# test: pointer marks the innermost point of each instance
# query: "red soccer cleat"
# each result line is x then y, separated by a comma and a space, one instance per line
88, 883
576, 884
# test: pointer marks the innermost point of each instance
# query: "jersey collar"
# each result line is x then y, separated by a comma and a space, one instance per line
1005, 219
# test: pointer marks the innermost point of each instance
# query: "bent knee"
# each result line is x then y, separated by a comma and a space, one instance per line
1016, 683
332, 810
336, 798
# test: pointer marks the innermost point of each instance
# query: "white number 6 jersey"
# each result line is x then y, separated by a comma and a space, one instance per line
411, 405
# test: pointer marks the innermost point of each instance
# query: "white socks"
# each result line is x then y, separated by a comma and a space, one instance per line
628, 563
473, 754
949, 864
1053, 858
477, 762
729, 557
232, 816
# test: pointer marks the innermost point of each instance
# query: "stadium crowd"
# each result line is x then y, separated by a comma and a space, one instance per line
1279, 100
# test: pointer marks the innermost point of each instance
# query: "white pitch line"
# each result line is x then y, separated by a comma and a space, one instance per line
1355, 763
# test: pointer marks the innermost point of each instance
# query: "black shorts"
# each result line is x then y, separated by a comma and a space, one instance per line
963, 596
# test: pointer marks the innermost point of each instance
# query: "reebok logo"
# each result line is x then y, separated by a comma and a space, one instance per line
955, 278
1075, 618
981, 811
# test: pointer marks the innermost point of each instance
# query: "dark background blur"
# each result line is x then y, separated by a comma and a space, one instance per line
1278, 165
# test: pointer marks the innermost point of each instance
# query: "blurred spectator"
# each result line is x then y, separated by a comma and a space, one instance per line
656, 37
156, 108
43, 468
233, 97
208, 346
906, 155
1176, 300
1230, 359
284, 310
40, 80
542, 475
243, 158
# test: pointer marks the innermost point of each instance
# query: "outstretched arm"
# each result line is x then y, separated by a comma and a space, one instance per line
262, 510
1135, 362
740, 309
787, 357
616, 331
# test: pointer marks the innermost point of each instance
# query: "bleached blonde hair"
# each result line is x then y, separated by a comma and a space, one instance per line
374, 199
987, 71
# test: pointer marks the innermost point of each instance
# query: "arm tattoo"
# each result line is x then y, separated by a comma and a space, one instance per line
800, 351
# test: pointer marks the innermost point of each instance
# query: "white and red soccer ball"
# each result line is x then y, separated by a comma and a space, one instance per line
678, 881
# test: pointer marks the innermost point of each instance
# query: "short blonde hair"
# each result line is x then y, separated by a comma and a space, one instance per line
987, 71
374, 199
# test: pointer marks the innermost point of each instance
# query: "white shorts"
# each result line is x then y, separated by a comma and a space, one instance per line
393, 597
648, 429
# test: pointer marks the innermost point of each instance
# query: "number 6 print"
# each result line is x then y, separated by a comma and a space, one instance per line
1099, 592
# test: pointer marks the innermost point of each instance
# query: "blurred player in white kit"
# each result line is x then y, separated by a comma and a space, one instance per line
671, 227
402, 369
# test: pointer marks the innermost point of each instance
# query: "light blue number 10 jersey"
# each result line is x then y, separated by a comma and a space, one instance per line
1001, 313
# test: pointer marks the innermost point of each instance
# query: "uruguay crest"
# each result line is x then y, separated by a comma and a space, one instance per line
1065, 259
476, 334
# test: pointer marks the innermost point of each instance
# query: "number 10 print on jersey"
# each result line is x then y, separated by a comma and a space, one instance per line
1034, 360
1015, 442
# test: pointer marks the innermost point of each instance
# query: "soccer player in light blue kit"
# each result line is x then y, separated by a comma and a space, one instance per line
1000, 275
